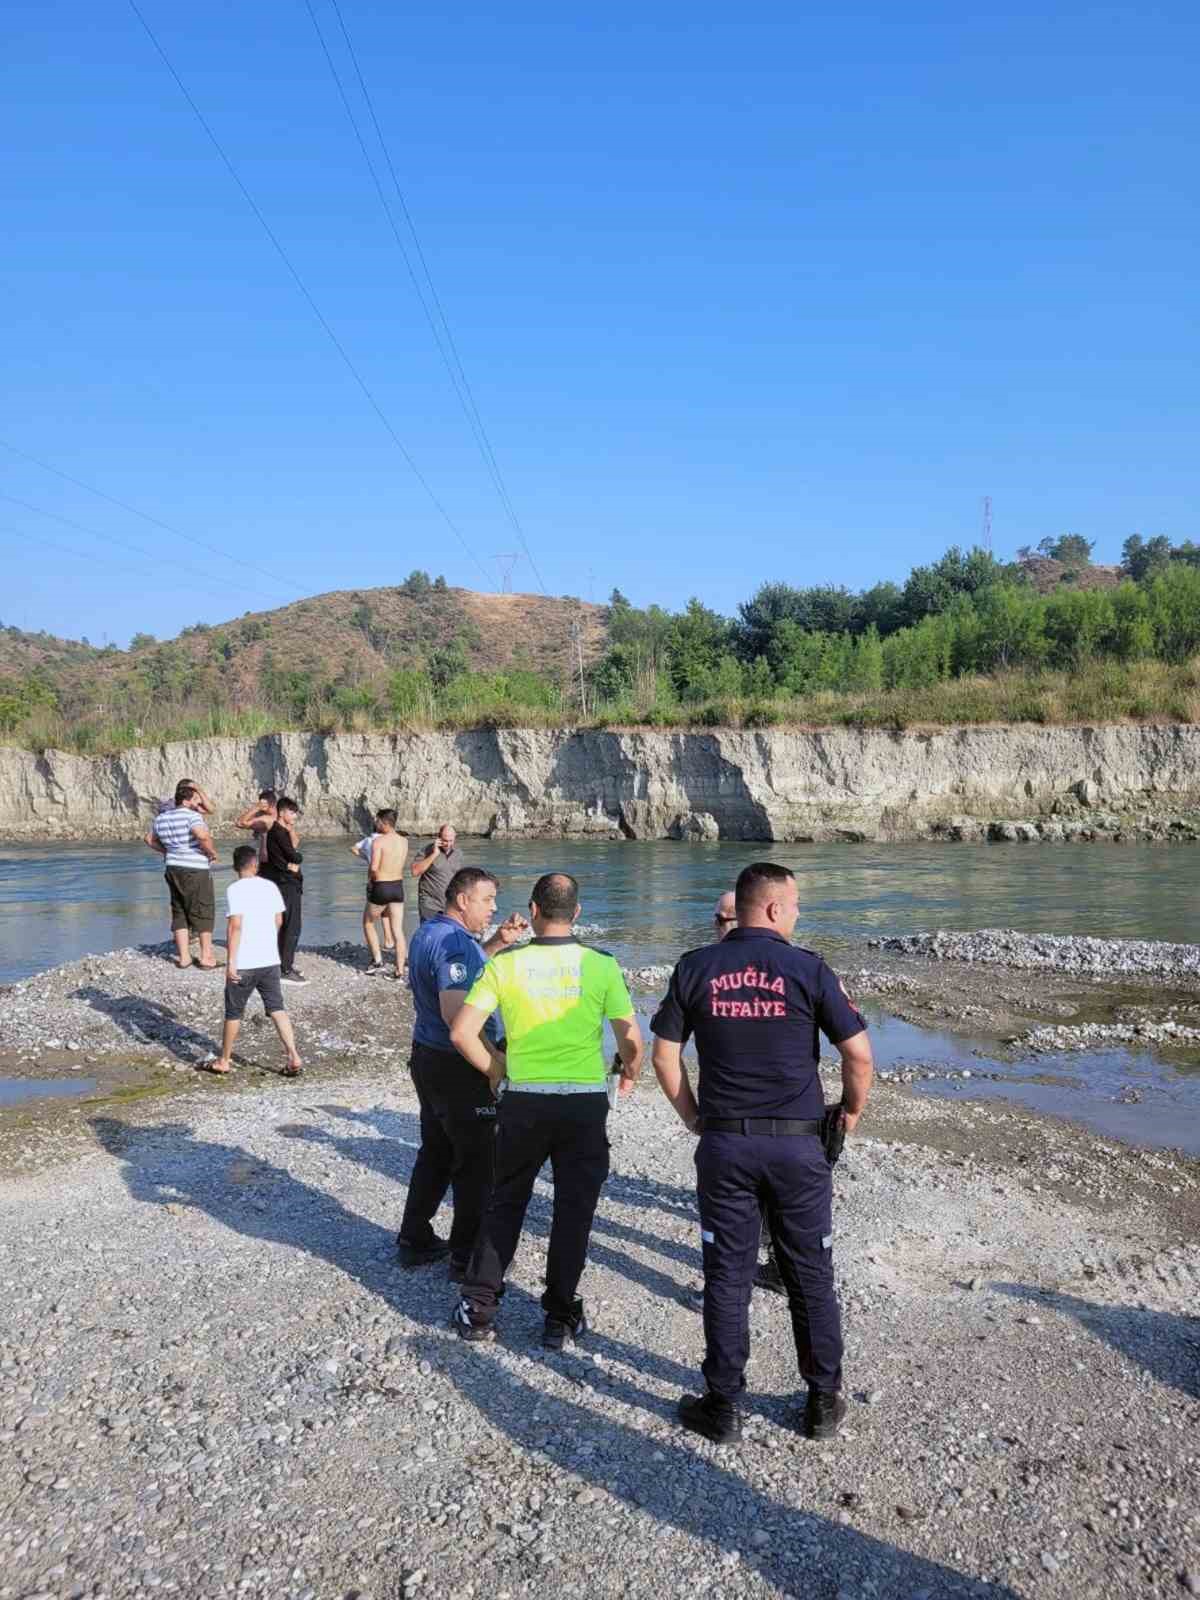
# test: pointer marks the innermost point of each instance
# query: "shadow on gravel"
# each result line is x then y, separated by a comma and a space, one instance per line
690, 1487
703, 1495
380, 1155
148, 1022
1165, 1343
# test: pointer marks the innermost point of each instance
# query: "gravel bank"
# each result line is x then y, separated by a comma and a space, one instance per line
138, 1004
1100, 958
215, 1382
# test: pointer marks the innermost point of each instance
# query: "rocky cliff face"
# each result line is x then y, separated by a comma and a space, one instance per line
1018, 782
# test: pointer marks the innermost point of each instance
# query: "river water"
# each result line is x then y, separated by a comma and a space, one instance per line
649, 900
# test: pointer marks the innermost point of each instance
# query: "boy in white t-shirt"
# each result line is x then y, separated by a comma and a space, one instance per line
254, 910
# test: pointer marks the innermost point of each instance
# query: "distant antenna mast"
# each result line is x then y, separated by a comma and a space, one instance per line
987, 523
577, 637
506, 561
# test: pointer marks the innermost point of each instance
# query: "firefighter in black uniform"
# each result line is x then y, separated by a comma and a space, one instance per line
756, 1005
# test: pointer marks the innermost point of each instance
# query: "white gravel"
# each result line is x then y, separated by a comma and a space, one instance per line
136, 1002
1006, 947
215, 1382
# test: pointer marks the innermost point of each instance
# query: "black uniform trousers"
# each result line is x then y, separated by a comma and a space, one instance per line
569, 1131
293, 916
458, 1131
739, 1178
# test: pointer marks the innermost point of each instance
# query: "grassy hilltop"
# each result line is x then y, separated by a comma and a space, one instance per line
1051, 637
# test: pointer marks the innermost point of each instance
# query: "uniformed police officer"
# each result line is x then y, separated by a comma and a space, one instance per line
458, 1117
755, 1004
554, 995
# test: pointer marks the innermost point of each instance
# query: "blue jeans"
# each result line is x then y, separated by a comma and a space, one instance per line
739, 1177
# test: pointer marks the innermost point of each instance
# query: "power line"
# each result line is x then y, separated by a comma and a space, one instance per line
443, 337
156, 522
154, 556
304, 290
69, 550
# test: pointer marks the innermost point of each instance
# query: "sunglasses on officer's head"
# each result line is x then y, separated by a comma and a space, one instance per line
723, 920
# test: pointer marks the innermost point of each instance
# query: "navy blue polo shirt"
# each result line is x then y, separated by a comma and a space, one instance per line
442, 955
757, 1006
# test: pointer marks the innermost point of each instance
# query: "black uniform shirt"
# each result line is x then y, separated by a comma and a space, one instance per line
755, 1004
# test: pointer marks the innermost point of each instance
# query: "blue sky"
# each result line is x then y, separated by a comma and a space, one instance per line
774, 294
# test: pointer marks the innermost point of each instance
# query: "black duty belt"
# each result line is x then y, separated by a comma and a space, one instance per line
769, 1125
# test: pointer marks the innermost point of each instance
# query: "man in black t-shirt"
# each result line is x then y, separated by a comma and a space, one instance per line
282, 867
756, 1006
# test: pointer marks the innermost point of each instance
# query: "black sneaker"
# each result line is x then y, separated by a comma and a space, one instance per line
711, 1416
557, 1330
292, 976
472, 1332
768, 1276
421, 1255
824, 1414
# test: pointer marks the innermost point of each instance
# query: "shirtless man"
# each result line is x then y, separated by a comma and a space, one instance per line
260, 818
385, 883
371, 926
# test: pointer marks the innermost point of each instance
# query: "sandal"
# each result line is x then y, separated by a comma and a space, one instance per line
290, 1071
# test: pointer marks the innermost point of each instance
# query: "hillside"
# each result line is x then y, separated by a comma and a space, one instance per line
348, 642
1049, 638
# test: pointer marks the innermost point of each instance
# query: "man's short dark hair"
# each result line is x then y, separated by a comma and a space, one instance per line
466, 879
388, 816
243, 856
184, 791
556, 895
286, 803
758, 882
267, 794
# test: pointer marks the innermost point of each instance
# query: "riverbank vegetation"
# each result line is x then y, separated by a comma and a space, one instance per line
1049, 638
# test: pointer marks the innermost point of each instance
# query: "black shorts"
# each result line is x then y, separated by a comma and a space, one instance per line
386, 892
263, 979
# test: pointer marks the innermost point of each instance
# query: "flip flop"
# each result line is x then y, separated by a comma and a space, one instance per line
290, 1072
217, 1072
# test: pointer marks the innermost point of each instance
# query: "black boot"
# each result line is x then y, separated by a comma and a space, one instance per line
420, 1255
708, 1414
768, 1275
823, 1414
557, 1330
463, 1321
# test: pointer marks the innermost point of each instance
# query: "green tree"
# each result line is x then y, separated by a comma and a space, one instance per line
410, 694
1133, 632
1008, 629
1079, 625
759, 679
1173, 602
697, 642
928, 591
1072, 549
448, 663
866, 663
1142, 558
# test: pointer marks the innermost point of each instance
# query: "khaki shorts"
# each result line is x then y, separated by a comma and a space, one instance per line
193, 904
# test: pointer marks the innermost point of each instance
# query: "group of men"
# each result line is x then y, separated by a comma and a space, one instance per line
510, 1069
264, 904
